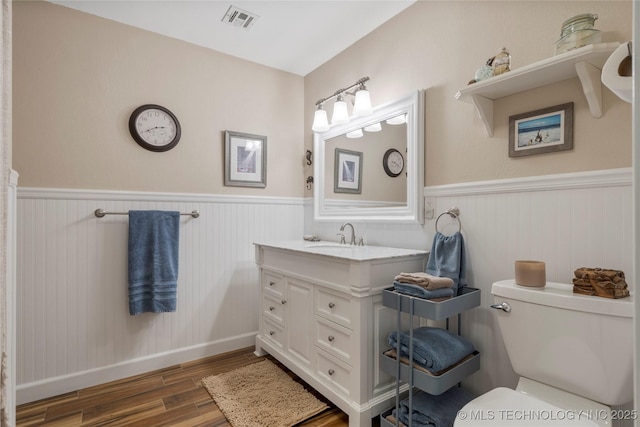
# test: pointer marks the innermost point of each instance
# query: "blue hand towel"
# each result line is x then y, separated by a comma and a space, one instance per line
421, 292
434, 349
153, 261
447, 259
431, 410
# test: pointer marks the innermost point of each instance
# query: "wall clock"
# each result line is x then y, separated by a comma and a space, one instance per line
154, 127
393, 162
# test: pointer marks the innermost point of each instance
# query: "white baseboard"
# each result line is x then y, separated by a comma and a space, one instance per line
64, 384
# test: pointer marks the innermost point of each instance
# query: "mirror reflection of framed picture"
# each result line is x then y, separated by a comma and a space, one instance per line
348, 171
245, 159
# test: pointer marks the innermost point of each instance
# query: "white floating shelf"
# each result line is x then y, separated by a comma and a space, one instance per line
586, 63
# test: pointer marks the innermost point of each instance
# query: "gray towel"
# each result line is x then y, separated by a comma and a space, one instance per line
434, 349
421, 292
447, 259
153, 261
431, 410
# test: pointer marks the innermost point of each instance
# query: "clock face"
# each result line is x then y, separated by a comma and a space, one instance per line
154, 128
393, 162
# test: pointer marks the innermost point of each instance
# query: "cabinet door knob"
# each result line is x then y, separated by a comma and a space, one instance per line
272, 283
271, 308
331, 372
272, 333
331, 305
284, 301
331, 338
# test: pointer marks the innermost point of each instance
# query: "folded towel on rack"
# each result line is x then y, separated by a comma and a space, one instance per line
447, 259
433, 348
421, 292
153, 261
426, 280
433, 410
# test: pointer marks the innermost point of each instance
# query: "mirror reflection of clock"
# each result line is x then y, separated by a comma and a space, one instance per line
393, 162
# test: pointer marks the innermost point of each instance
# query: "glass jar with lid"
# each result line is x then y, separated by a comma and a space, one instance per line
501, 62
578, 31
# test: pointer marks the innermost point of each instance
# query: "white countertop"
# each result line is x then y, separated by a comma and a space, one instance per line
336, 250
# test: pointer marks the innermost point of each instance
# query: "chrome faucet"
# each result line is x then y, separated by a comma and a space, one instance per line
353, 232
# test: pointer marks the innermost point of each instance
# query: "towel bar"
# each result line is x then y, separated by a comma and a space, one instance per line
453, 213
101, 212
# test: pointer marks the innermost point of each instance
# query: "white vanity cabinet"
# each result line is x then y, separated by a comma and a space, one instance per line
321, 315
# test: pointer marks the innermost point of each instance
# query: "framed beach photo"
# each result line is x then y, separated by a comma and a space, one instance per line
348, 171
245, 159
541, 131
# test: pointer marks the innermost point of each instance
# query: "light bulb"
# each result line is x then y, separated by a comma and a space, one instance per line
376, 127
320, 122
355, 134
362, 106
397, 120
340, 114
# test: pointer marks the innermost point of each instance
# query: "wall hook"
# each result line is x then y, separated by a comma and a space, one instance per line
309, 182
309, 160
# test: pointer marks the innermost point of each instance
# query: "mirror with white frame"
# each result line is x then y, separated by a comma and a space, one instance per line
352, 182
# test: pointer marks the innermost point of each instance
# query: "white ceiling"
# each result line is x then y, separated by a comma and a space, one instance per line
290, 35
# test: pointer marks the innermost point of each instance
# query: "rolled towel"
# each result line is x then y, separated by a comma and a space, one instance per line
434, 349
433, 410
426, 280
421, 292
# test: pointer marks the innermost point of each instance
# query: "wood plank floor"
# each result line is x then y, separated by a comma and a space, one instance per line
173, 396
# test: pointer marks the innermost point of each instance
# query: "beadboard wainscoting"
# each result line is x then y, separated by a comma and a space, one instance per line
73, 325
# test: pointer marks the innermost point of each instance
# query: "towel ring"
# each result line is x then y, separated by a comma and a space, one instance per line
453, 213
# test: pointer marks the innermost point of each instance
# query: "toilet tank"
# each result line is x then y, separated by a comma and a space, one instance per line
580, 344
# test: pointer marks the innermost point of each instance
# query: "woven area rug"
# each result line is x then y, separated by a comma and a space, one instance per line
262, 395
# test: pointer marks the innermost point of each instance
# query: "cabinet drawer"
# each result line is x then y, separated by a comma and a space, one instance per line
273, 308
335, 339
333, 372
273, 333
334, 306
273, 283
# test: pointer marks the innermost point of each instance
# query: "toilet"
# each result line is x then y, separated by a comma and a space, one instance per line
573, 353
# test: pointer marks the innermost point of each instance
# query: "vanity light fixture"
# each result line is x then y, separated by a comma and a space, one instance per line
361, 107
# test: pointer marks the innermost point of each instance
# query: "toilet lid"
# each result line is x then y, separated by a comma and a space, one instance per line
506, 407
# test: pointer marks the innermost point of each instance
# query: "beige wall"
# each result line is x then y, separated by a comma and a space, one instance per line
77, 78
438, 45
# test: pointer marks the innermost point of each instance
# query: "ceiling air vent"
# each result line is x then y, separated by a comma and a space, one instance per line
239, 18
